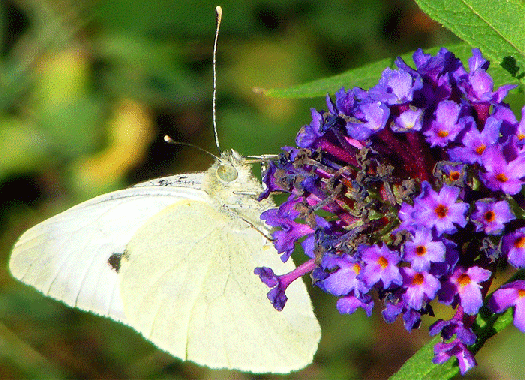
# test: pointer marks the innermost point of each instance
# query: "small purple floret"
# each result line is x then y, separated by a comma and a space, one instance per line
511, 294
444, 351
491, 217
513, 247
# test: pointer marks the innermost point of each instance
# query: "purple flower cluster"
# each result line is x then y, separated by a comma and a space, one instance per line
408, 193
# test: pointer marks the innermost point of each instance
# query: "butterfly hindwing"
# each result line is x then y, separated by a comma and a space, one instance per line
191, 290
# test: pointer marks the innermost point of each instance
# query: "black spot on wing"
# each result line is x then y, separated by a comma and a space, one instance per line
114, 261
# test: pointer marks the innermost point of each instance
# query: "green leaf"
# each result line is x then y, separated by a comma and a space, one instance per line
420, 365
368, 76
364, 77
495, 26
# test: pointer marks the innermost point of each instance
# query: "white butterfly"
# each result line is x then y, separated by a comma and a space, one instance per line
173, 258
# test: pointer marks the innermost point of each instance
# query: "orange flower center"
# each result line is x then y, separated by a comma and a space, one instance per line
442, 133
421, 250
490, 216
382, 262
521, 293
480, 149
519, 242
418, 279
441, 211
454, 176
502, 177
464, 280
356, 268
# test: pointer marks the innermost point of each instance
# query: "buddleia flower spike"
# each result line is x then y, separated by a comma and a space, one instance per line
419, 182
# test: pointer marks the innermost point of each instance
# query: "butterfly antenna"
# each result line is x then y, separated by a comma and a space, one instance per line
169, 140
218, 12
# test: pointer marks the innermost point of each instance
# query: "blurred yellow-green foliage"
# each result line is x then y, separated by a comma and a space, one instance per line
89, 89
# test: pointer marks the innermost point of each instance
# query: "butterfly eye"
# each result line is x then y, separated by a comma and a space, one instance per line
227, 173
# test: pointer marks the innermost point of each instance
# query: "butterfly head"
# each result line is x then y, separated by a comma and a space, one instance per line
230, 179
231, 171
228, 166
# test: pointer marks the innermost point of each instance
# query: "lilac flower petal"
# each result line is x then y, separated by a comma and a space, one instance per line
410, 120
371, 118
453, 327
391, 312
468, 287
511, 294
312, 132
411, 319
519, 313
475, 142
267, 276
513, 247
349, 304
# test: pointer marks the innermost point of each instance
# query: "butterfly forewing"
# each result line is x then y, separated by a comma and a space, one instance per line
66, 257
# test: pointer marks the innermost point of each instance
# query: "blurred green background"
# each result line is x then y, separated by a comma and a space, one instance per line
89, 89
